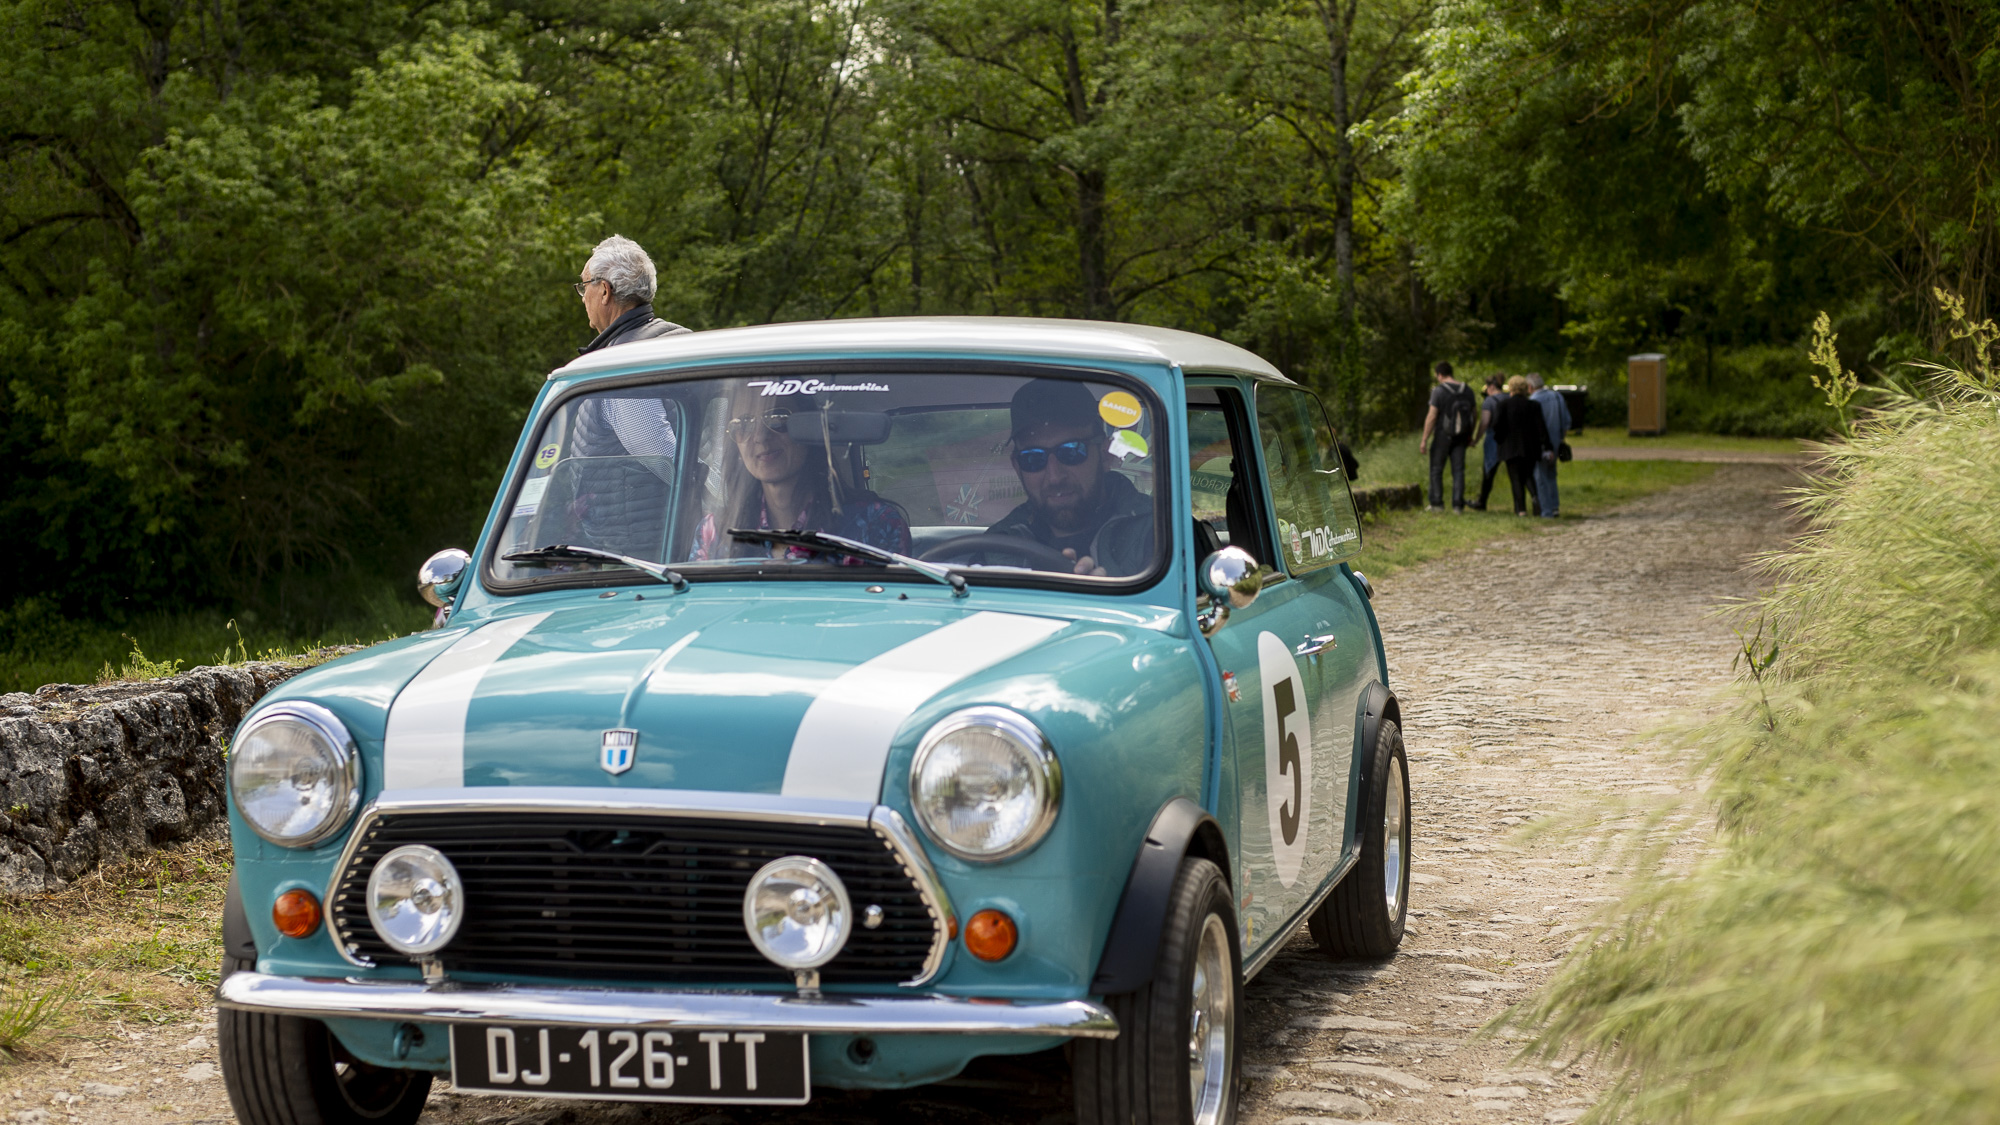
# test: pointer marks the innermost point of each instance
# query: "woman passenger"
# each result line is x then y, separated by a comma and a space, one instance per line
777, 477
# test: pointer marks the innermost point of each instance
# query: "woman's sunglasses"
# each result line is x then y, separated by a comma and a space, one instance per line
1036, 459
777, 421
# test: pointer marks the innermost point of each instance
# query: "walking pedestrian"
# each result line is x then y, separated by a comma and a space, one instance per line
1522, 435
1489, 449
616, 287
1555, 413
1450, 426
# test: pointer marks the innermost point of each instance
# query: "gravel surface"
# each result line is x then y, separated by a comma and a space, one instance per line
1530, 673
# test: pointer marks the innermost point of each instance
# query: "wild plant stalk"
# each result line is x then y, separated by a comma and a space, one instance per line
25, 1012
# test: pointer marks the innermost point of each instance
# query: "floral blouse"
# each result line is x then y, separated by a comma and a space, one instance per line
876, 523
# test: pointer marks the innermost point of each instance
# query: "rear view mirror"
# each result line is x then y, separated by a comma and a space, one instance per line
841, 427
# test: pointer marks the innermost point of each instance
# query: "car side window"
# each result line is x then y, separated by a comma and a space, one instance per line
1226, 502
1317, 524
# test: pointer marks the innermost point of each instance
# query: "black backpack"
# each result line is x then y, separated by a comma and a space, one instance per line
1460, 409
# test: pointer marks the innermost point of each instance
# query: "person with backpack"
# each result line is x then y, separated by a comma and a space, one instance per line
1451, 426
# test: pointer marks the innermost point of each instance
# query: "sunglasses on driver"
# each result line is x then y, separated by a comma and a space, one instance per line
1036, 459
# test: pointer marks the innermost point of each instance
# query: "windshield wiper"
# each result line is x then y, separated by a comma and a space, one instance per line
841, 544
563, 552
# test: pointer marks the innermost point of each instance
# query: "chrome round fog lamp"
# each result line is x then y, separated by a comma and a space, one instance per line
797, 912
415, 899
296, 774
985, 784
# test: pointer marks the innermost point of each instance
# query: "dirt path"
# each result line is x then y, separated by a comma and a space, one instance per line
1527, 672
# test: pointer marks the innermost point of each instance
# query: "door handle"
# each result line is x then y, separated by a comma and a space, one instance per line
1313, 646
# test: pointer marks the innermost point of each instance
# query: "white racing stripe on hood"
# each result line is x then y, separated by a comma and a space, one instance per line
842, 743
424, 746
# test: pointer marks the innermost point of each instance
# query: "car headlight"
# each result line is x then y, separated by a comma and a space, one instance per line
415, 899
985, 784
296, 774
797, 912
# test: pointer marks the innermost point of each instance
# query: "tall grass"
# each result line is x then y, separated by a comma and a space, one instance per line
1837, 958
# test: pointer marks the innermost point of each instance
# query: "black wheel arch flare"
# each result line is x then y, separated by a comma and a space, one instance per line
1180, 829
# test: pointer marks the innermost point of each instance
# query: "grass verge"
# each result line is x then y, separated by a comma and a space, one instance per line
1392, 541
39, 646
139, 942
1725, 443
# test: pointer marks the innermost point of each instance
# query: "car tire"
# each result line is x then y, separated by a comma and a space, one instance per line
1175, 1059
1363, 917
286, 1070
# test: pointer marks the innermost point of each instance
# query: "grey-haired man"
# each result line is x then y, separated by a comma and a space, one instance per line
617, 285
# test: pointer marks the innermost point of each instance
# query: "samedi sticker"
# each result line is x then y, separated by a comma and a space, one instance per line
1120, 409
776, 387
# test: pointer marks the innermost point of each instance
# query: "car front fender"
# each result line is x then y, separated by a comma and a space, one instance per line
1181, 828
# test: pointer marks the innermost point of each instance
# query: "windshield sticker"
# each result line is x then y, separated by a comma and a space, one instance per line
774, 388
1126, 443
1312, 542
531, 496
546, 455
1120, 409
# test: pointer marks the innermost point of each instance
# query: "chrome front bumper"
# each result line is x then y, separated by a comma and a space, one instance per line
830, 1014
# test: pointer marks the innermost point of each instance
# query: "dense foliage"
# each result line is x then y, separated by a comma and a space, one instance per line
278, 280
1834, 960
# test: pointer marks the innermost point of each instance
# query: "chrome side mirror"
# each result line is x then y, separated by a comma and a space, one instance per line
1367, 587
438, 578
1229, 577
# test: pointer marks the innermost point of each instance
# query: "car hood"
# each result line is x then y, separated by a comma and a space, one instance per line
794, 696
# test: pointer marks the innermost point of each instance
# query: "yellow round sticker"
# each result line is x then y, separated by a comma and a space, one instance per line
546, 456
1119, 409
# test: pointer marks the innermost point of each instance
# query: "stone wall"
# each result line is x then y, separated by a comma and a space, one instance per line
94, 774
1388, 498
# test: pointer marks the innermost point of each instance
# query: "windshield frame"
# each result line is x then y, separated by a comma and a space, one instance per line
700, 574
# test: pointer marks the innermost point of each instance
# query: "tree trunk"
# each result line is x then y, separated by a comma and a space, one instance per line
1338, 21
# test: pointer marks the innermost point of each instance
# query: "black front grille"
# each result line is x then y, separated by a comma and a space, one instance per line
619, 896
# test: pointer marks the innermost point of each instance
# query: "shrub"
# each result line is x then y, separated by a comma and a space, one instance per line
1838, 959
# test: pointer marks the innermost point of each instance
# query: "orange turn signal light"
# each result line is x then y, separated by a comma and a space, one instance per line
296, 913
990, 935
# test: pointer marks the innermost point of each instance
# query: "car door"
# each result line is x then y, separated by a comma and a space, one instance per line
1269, 693
1318, 528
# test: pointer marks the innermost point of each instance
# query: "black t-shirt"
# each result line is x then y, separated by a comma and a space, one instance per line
1117, 498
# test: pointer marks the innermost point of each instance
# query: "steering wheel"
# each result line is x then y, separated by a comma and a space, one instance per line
965, 548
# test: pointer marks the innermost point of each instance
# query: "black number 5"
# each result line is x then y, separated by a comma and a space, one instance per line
1288, 759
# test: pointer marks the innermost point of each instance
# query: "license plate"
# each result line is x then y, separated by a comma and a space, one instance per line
545, 1061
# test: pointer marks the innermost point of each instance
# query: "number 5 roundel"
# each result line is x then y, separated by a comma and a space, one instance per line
1288, 781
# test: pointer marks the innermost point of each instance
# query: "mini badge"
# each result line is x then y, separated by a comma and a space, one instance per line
620, 748
1229, 685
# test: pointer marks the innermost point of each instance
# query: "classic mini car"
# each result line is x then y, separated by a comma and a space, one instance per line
832, 705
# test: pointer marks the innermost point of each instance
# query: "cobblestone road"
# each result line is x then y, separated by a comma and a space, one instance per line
1529, 673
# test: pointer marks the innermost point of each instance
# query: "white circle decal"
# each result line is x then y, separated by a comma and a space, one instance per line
1288, 783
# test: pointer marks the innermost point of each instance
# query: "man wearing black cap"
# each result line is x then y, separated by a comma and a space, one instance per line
1092, 516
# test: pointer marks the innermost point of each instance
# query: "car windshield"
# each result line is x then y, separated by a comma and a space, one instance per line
978, 472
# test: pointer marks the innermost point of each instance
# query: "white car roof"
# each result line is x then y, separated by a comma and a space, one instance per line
931, 335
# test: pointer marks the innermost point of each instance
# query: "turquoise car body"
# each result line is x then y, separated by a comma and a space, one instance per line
1124, 685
